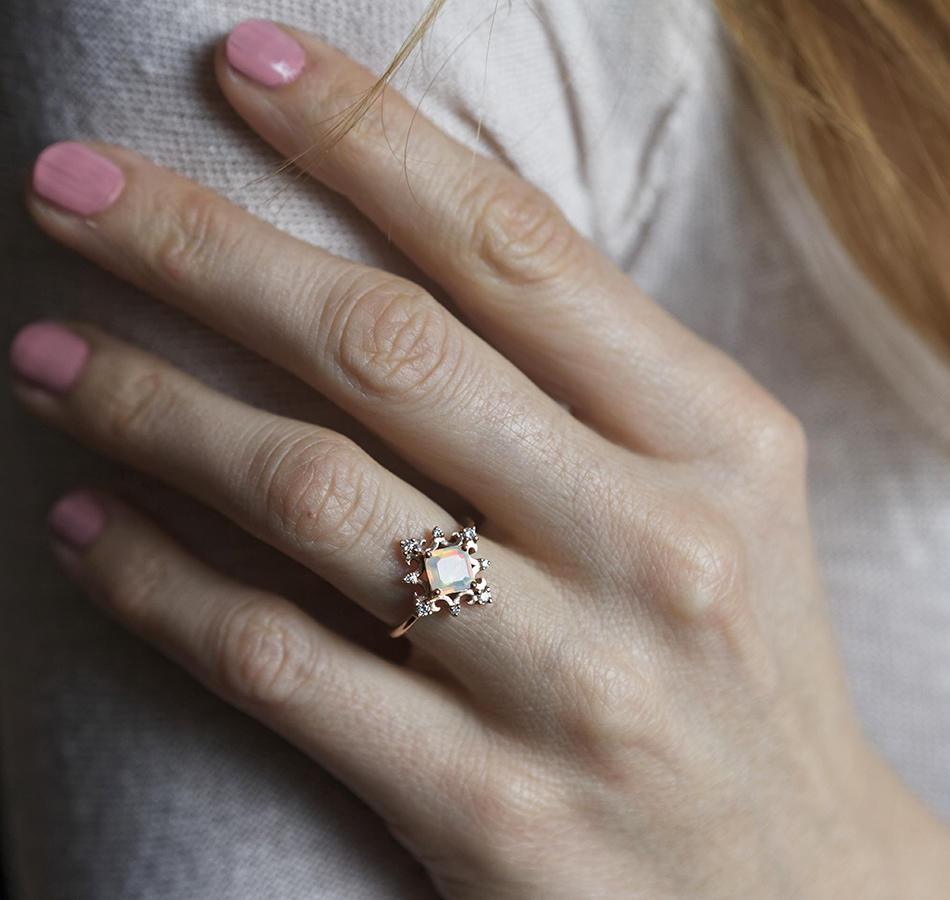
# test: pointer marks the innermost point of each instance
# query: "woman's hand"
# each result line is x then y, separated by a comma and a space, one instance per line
652, 707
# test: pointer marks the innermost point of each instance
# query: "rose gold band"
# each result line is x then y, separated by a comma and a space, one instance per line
400, 630
444, 572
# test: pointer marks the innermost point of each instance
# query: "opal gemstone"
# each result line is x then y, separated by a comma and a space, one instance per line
449, 570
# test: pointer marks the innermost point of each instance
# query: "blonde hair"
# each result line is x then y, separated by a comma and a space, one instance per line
860, 90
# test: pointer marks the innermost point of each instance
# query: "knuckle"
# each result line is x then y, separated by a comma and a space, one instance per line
136, 404
774, 439
316, 489
368, 136
694, 560
354, 126
136, 591
395, 342
264, 653
520, 234
350, 124
193, 231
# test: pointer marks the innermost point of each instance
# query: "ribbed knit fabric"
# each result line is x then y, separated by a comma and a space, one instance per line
122, 779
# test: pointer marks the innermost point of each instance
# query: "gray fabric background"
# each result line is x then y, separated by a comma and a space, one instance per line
121, 778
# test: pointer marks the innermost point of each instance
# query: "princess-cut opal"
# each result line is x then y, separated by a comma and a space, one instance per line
449, 570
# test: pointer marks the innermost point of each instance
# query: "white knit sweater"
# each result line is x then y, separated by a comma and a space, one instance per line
124, 780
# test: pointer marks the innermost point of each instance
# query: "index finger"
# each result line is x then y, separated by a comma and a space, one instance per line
501, 248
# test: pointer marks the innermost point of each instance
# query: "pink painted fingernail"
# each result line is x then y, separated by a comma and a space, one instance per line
77, 179
49, 355
259, 49
78, 518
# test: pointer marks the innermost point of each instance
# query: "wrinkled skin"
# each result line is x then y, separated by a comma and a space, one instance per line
653, 705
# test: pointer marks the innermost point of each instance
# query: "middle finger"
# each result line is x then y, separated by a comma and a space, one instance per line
377, 345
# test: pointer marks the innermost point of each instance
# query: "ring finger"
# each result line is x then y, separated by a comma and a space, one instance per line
310, 492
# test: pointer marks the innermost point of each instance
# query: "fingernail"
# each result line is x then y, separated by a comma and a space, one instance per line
78, 519
77, 179
49, 355
259, 49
